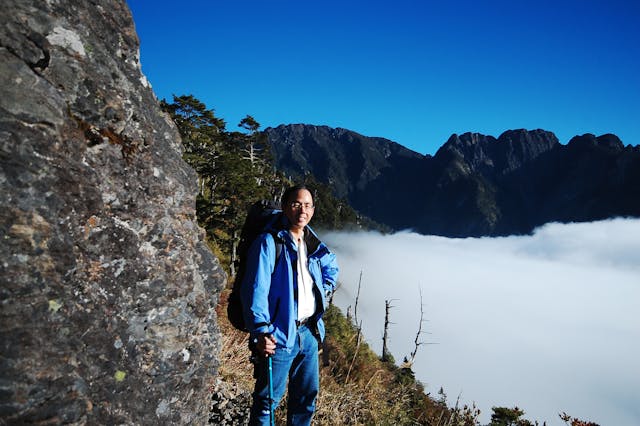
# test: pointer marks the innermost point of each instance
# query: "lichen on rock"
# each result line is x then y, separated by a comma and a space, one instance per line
107, 287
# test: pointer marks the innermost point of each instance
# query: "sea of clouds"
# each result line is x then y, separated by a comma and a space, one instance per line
548, 322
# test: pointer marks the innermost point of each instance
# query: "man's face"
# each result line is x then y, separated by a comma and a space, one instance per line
299, 209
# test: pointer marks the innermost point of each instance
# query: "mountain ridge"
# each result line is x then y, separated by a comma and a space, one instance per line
475, 184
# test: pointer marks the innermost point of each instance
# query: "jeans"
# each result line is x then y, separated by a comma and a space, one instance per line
300, 365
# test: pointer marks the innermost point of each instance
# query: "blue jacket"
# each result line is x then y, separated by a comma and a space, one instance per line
268, 289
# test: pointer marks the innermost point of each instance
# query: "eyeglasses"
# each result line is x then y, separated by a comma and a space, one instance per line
298, 206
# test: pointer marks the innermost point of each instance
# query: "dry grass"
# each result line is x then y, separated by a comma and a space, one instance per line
234, 356
357, 388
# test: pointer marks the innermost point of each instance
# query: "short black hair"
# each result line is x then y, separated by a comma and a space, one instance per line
288, 194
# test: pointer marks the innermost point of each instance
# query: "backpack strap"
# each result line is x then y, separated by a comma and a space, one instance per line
279, 245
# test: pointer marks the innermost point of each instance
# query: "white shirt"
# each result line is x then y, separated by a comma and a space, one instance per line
306, 298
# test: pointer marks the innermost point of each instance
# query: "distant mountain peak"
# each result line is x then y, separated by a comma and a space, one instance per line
509, 151
589, 140
475, 184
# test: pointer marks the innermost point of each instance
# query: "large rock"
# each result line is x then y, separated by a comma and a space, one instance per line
107, 288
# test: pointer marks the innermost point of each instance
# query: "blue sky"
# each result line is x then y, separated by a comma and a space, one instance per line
414, 72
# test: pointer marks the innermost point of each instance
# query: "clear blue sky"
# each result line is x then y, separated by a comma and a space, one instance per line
411, 71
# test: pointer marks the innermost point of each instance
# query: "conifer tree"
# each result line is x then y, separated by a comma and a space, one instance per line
503, 416
229, 180
202, 136
236, 169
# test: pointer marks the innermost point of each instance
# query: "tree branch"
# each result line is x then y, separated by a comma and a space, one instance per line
385, 336
355, 310
355, 353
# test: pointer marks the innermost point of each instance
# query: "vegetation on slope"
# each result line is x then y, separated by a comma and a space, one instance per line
234, 170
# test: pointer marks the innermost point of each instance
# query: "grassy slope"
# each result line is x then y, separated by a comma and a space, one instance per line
357, 388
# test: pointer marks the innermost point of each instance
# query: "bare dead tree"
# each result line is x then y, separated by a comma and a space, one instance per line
355, 353
252, 152
408, 361
338, 285
385, 336
355, 309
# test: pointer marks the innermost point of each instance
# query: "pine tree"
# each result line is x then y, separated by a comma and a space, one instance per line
235, 170
202, 136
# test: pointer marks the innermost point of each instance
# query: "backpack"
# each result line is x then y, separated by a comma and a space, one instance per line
260, 217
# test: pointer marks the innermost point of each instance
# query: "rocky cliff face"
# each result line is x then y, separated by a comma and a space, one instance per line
475, 185
107, 288
347, 159
372, 173
486, 154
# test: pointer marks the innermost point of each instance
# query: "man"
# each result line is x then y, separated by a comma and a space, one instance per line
289, 275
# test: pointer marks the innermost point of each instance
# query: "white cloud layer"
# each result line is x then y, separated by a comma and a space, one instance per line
548, 322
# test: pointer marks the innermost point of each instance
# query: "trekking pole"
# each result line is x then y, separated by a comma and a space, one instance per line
271, 410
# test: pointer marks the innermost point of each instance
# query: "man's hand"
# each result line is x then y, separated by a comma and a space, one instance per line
265, 345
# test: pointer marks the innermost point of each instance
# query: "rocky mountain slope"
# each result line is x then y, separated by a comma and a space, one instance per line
374, 174
107, 288
475, 185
